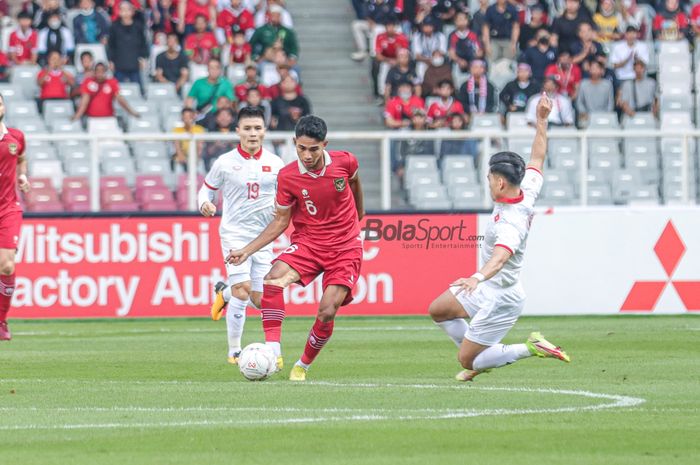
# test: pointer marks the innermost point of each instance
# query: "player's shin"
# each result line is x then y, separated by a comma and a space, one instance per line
7, 287
499, 355
272, 309
235, 320
455, 329
318, 336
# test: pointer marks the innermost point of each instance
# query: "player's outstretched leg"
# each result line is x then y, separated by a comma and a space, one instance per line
541, 347
449, 315
272, 305
235, 321
221, 291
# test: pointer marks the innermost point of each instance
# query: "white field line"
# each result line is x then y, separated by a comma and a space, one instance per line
615, 401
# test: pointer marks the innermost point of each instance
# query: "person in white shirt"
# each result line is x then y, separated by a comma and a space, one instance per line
624, 54
562, 112
493, 298
246, 178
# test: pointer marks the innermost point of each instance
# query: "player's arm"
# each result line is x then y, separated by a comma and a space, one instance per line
125, 105
22, 181
356, 188
205, 200
277, 226
498, 259
82, 107
539, 145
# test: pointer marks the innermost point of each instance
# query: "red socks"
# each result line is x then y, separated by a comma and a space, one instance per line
7, 287
318, 336
272, 308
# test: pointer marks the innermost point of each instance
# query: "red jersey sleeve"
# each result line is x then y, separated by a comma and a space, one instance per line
84, 89
402, 41
353, 165
19, 135
432, 111
284, 198
115, 87
457, 108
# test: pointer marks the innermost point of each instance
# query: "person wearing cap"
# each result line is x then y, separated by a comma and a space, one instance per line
501, 31
516, 93
562, 113
97, 96
274, 36
428, 46
640, 93
625, 52
539, 56
595, 94
172, 65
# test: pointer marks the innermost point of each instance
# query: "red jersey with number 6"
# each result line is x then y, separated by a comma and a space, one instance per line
324, 215
11, 147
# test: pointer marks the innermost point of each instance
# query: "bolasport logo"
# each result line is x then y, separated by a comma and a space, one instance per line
424, 233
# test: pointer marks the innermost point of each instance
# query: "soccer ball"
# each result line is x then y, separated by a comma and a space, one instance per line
257, 361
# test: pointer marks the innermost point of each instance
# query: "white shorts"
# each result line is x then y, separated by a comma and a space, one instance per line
253, 269
492, 310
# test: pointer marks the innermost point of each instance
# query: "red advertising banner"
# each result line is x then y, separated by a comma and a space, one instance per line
166, 266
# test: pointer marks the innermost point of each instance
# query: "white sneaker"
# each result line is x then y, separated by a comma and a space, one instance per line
358, 56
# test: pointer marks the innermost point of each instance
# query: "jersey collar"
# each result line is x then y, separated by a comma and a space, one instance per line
511, 200
247, 156
326, 160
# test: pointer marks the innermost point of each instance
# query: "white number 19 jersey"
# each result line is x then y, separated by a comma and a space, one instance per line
509, 227
247, 185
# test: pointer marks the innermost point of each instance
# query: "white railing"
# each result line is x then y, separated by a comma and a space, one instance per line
384, 139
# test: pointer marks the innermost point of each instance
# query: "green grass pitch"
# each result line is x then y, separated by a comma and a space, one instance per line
382, 392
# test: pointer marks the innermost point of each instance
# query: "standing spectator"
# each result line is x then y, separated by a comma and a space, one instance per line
399, 109
127, 48
90, 26
403, 72
182, 148
48, 8
638, 94
208, 122
377, 14
113, 8
262, 16
477, 95
585, 49
97, 95
444, 106
386, 47
4, 67
55, 37
188, 10
447, 10
205, 91
251, 80
501, 31
565, 27
272, 36
595, 94
567, 75
562, 113
241, 52
172, 64
24, 41
463, 43
626, 52
530, 28
164, 19
607, 21
632, 15
539, 57
87, 62
289, 107
670, 23
234, 17
517, 93
53, 81
479, 17
201, 44
225, 124
428, 46
438, 70
255, 99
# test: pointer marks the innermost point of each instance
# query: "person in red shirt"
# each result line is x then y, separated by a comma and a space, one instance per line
670, 22
201, 45
23, 41
399, 109
13, 166
322, 194
190, 9
240, 50
53, 80
4, 66
275, 90
251, 80
446, 105
113, 7
97, 95
566, 73
388, 43
234, 18
695, 19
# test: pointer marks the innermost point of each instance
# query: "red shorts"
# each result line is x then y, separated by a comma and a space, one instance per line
10, 224
339, 267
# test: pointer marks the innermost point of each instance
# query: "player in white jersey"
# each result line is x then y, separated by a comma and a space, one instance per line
493, 298
246, 178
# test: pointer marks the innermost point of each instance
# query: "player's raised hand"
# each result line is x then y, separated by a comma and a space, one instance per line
23, 183
467, 285
236, 257
208, 209
544, 107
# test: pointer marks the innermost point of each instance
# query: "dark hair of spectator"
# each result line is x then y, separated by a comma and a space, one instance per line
253, 89
187, 110
214, 59
445, 82
200, 16
224, 110
24, 15
86, 53
311, 126
510, 165
251, 112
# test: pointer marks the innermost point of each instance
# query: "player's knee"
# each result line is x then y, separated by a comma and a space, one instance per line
436, 311
7, 267
466, 360
327, 312
240, 292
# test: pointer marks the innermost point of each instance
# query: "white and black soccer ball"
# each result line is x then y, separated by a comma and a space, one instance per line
257, 361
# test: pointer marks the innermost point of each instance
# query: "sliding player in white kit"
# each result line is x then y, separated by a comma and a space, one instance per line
493, 298
247, 180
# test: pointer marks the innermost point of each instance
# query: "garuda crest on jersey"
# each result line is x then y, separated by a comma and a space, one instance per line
339, 184
13, 148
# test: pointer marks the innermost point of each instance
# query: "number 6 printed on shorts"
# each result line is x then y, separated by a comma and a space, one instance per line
292, 248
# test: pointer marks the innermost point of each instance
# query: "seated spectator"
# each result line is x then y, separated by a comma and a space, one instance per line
289, 107
225, 124
585, 49
274, 90
404, 71
262, 15
445, 105
399, 110
208, 121
517, 93
539, 57
425, 11
464, 44
386, 48
54, 37
670, 23
23, 41
595, 94
164, 18
427, 46
273, 36
53, 81
477, 95
4, 67
438, 70
241, 51
182, 148
567, 74
375, 15
251, 80
190, 9
529, 28
501, 31
565, 27
205, 91
172, 64
562, 113
607, 22
632, 15
638, 94
255, 99
624, 54
90, 26
87, 61
234, 18
458, 146
201, 44
127, 48
97, 95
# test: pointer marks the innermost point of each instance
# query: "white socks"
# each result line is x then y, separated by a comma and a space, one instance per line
498, 355
276, 348
226, 293
455, 329
235, 320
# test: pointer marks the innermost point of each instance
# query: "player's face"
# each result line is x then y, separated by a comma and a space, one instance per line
310, 152
496, 186
251, 131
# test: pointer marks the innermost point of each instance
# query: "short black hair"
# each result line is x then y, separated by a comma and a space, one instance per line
510, 165
446, 82
187, 110
311, 126
251, 112
24, 15
86, 53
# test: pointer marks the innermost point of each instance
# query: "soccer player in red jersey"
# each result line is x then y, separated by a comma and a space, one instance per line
13, 174
321, 193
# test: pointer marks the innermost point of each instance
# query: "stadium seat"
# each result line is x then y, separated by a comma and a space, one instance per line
106, 126
42, 152
109, 182
603, 120
559, 194
421, 163
675, 102
150, 150
637, 146
41, 183
154, 166
47, 169
12, 93
43, 201
460, 178
624, 182
644, 195
155, 194
168, 108
161, 91
118, 199
65, 126
22, 110
58, 109
600, 176
75, 182
145, 124
197, 71
466, 197
160, 206
517, 121
120, 167
145, 108
30, 125
110, 151
98, 52
642, 160
78, 198
522, 147
78, 167
555, 176
486, 121
70, 153
599, 194
640, 120
24, 76
456, 163
130, 91
423, 178
428, 193
433, 204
